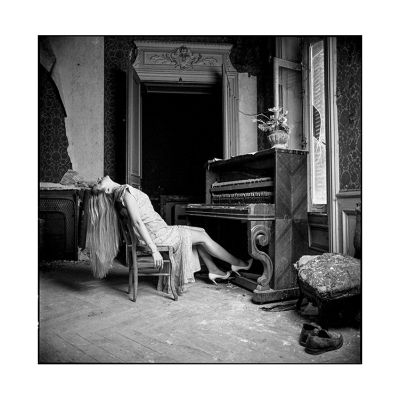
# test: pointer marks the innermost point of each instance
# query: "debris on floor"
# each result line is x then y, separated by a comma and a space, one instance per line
281, 306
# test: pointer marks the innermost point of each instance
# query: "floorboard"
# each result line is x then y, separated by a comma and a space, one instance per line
83, 320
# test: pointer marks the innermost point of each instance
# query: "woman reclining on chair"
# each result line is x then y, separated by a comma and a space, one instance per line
187, 241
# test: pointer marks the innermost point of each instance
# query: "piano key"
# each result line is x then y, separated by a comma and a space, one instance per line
241, 184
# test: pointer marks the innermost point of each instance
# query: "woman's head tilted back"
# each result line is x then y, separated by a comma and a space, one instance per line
103, 229
104, 185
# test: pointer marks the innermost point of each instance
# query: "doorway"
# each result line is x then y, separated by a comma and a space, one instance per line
181, 130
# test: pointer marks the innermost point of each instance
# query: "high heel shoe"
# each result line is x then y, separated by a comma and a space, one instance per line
212, 277
236, 268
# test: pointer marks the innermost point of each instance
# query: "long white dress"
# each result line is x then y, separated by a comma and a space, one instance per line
185, 256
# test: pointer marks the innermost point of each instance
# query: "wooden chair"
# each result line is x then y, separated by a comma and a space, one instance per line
146, 267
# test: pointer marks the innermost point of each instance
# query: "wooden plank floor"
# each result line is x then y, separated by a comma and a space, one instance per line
83, 320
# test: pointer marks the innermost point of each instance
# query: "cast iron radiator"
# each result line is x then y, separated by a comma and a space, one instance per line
59, 231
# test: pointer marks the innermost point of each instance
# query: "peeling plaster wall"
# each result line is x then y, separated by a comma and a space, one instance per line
79, 73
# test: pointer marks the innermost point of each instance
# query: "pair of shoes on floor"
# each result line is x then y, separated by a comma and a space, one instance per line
236, 268
317, 340
212, 277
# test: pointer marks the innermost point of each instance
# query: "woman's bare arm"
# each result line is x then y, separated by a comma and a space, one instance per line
133, 210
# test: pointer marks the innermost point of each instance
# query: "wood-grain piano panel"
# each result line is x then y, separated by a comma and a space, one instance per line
276, 222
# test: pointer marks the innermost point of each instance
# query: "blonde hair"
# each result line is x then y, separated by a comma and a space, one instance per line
103, 233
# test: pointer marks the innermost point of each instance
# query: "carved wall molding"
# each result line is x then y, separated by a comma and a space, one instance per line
349, 194
347, 222
181, 58
348, 229
198, 62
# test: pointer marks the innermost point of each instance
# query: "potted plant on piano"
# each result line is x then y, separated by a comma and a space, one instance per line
276, 125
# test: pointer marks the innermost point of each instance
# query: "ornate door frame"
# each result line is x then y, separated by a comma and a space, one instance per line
180, 62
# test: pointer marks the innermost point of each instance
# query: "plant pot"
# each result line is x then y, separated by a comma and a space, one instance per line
279, 139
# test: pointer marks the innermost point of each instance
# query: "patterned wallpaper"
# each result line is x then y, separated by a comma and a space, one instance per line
349, 58
116, 57
54, 160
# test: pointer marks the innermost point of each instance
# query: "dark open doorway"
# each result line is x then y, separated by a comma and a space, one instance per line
181, 130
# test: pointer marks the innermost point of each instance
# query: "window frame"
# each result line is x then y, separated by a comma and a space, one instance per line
308, 116
331, 131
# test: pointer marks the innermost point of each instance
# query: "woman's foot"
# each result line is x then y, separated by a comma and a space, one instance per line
246, 267
213, 277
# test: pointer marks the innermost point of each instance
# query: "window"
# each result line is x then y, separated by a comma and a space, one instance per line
318, 139
288, 94
315, 123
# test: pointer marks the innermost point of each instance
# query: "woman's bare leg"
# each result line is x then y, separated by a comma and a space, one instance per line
209, 262
200, 237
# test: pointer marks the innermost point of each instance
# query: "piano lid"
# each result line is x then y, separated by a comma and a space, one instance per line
251, 156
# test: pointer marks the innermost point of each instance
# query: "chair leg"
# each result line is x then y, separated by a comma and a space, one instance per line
130, 288
172, 281
135, 275
163, 282
135, 283
323, 315
160, 282
130, 269
299, 301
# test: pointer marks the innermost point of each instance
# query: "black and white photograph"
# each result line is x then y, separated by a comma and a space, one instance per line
200, 199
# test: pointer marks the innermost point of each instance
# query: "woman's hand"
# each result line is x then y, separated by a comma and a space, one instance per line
157, 258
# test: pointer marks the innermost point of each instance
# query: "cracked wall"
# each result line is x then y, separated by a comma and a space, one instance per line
79, 75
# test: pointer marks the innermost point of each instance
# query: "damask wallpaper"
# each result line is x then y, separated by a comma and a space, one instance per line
53, 156
116, 58
349, 58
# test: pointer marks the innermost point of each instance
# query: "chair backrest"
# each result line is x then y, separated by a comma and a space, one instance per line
129, 234
126, 226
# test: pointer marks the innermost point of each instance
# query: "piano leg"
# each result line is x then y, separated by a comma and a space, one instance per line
259, 234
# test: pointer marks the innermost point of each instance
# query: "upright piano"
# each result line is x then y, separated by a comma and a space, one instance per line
267, 192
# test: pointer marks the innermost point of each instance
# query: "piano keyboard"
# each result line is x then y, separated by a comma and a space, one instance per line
245, 191
264, 212
242, 197
241, 184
